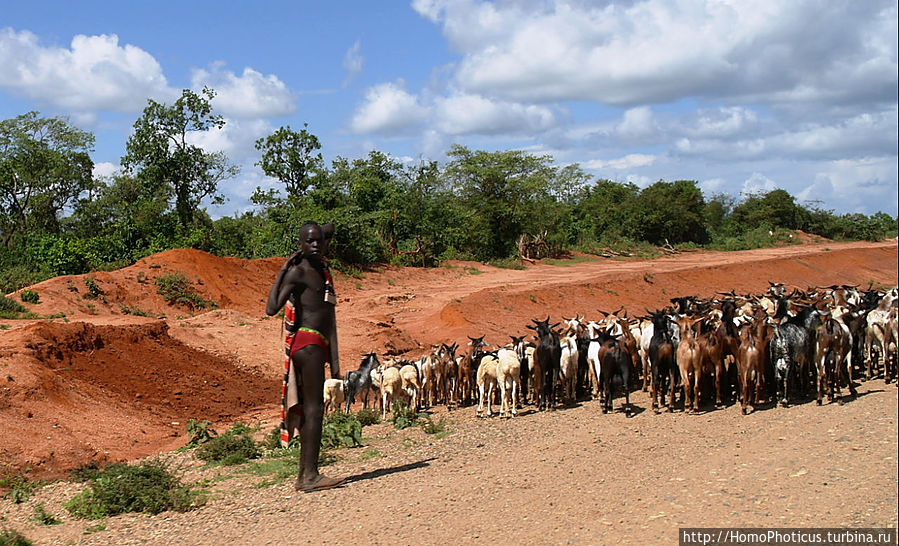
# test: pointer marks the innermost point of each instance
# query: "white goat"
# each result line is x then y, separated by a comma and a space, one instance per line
486, 379
391, 387
334, 394
508, 377
411, 385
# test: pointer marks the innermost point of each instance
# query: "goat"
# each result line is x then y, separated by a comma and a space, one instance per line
547, 357
391, 388
750, 367
358, 382
334, 394
450, 365
468, 368
612, 362
792, 350
662, 360
486, 381
689, 361
508, 378
876, 335
411, 385
568, 363
521, 347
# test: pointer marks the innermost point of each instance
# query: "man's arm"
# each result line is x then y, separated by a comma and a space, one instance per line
286, 280
332, 346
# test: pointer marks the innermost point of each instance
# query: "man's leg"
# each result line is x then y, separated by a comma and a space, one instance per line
310, 362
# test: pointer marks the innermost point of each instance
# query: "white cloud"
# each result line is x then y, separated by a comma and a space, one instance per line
721, 122
758, 183
389, 109
352, 62
236, 139
94, 73
467, 114
637, 124
105, 169
630, 161
249, 95
661, 51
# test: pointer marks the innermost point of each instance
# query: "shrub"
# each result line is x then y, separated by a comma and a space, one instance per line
11, 537
235, 446
403, 415
341, 430
86, 472
199, 432
176, 289
20, 488
429, 426
29, 296
121, 488
43, 517
94, 291
10, 308
368, 416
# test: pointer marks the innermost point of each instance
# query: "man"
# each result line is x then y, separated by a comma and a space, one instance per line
304, 282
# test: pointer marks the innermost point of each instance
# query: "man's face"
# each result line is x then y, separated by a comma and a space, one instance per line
311, 242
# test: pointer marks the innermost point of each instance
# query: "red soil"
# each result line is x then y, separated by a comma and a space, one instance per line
100, 384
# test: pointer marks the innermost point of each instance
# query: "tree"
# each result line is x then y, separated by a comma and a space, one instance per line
672, 212
161, 150
502, 191
44, 166
775, 209
290, 157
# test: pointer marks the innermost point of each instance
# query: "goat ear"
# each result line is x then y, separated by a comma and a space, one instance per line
529, 327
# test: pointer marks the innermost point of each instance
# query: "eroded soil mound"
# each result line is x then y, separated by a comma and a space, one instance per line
75, 392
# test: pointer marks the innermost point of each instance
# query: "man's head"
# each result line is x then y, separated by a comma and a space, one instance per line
312, 241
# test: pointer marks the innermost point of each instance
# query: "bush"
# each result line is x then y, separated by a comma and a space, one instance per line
43, 517
403, 415
199, 432
94, 292
121, 488
10, 308
86, 472
11, 537
235, 446
368, 416
341, 430
29, 296
176, 289
429, 426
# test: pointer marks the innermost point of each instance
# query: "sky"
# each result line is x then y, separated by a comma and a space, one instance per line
743, 96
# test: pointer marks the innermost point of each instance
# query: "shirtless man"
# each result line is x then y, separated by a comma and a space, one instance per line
304, 279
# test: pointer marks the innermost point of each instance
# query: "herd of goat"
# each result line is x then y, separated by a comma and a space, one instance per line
731, 348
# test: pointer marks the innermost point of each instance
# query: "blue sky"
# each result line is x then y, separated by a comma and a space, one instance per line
741, 95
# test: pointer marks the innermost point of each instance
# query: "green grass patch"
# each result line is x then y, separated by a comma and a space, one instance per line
11, 537
19, 488
236, 446
94, 292
149, 487
29, 296
568, 262
403, 416
341, 430
134, 310
368, 416
176, 289
430, 426
506, 263
11, 309
40, 515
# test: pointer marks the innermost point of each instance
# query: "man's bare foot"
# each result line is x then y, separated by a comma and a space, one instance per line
319, 483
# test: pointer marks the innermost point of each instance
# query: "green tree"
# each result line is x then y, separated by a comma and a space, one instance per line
672, 212
160, 150
291, 157
502, 192
44, 167
775, 209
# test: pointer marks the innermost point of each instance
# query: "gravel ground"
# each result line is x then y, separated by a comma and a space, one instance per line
569, 476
